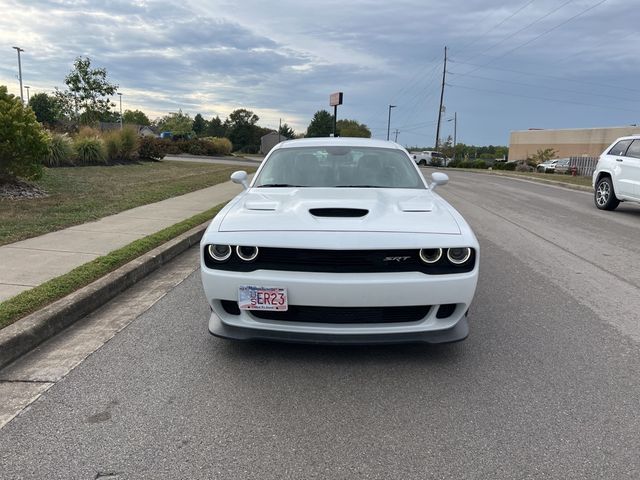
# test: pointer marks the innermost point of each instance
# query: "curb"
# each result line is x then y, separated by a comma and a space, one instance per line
543, 181
27, 333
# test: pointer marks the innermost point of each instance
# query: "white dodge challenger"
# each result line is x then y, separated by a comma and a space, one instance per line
339, 240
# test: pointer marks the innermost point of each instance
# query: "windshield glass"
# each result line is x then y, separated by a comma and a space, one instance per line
339, 166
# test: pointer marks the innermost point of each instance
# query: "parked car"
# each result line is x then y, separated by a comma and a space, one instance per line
429, 157
547, 167
339, 240
617, 175
563, 165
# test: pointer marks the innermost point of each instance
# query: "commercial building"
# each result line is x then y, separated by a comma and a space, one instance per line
571, 142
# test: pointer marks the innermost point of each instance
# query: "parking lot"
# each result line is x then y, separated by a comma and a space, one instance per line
546, 385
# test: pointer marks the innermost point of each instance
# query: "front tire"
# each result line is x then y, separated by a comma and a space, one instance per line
604, 197
423, 163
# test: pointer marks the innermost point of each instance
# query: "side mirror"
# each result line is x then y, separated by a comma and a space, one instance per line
240, 177
438, 178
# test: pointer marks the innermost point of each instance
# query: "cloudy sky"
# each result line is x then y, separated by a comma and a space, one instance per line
514, 64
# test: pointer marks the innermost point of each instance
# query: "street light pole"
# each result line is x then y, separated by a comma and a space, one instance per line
27, 87
18, 49
120, 95
389, 121
396, 132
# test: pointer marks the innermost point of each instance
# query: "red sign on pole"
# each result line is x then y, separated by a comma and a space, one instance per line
335, 99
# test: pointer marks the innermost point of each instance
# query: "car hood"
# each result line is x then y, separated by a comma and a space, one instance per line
339, 209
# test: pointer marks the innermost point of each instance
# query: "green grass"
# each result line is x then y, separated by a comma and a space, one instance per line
82, 194
32, 300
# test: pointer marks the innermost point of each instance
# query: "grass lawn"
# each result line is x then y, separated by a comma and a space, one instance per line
82, 194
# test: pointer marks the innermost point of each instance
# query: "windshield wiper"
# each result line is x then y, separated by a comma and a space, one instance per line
278, 185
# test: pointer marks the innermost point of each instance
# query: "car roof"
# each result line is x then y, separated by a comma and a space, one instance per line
338, 141
628, 137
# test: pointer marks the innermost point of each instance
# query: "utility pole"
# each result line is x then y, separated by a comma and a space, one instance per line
279, 130
444, 73
18, 49
455, 131
121, 125
396, 132
389, 120
27, 87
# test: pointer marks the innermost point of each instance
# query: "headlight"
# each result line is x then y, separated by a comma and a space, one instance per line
220, 253
248, 254
430, 255
458, 256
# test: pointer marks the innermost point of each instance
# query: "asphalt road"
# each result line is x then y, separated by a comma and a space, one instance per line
546, 386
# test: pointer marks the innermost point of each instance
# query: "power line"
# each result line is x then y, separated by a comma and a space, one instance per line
468, 44
555, 100
551, 12
542, 34
626, 99
553, 77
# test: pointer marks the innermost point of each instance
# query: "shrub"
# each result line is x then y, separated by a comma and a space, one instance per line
88, 132
150, 149
196, 147
23, 142
113, 146
222, 145
479, 164
60, 151
523, 167
90, 150
129, 143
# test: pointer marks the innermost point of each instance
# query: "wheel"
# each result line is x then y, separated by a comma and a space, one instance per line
605, 197
423, 162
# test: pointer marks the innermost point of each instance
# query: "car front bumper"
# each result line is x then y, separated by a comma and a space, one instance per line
345, 290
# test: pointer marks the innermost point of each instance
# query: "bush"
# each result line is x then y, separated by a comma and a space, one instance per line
505, 166
523, 167
88, 132
23, 142
479, 164
150, 149
113, 146
60, 151
223, 146
90, 151
129, 144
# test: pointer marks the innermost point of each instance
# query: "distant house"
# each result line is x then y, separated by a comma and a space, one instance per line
270, 140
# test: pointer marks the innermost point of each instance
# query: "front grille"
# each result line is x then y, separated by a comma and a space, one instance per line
341, 261
301, 313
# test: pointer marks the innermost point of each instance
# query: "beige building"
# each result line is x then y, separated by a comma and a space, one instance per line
573, 142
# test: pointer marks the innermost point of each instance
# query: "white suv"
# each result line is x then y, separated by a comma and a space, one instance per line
617, 175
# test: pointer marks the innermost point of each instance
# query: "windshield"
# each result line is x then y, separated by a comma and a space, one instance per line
338, 166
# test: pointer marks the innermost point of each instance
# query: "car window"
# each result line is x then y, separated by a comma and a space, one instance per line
634, 149
620, 148
339, 166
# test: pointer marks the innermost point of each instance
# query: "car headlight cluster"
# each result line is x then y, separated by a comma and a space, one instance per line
222, 253
456, 256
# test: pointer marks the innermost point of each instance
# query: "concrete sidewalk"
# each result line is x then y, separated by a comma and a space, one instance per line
29, 263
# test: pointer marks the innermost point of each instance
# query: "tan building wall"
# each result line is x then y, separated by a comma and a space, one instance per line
576, 142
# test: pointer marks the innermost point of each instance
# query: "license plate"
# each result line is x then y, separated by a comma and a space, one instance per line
262, 298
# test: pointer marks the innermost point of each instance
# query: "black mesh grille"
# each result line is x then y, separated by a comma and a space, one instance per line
300, 313
341, 261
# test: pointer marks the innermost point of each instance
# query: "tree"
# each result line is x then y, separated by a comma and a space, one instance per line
321, 125
88, 92
286, 131
179, 124
199, 124
542, 155
135, 117
23, 142
351, 128
215, 128
45, 107
242, 130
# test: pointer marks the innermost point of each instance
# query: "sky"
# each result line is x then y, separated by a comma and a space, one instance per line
512, 65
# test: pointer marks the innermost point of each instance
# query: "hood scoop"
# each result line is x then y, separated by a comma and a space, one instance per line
338, 212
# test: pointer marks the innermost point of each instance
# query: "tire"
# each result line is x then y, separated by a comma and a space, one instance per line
423, 162
604, 196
